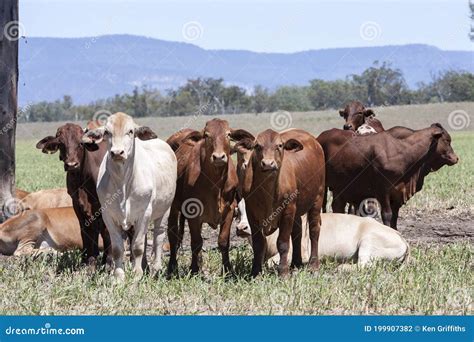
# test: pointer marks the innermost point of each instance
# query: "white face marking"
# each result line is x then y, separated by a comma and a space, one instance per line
365, 130
120, 135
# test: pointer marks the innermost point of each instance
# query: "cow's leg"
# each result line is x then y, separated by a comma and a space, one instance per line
159, 233
395, 210
117, 249
173, 238
283, 241
296, 235
314, 220
351, 210
93, 233
138, 246
104, 233
224, 238
338, 204
195, 226
258, 246
85, 224
325, 199
386, 210
25, 248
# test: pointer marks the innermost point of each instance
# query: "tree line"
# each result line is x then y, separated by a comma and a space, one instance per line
376, 86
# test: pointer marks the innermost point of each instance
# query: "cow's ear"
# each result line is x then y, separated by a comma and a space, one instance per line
342, 112
241, 134
91, 147
194, 165
193, 137
243, 146
437, 133
437, 130
369, 112
248, 177
293, 145
94, 136
48, 145
145, 133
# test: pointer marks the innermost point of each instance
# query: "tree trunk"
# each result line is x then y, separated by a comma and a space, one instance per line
9, 36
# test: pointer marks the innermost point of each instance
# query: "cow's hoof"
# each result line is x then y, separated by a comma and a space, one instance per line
156, 268
119, 275
284, 272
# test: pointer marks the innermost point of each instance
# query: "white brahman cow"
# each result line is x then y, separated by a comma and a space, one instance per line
344, 237
136, 185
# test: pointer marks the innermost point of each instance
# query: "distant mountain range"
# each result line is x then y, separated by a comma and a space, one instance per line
99, 67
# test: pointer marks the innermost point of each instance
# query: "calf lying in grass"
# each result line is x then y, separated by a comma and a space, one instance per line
56, 228
346, 238
48, 198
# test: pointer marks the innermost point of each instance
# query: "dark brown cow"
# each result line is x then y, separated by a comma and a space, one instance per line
382, 166
206, 186
284, 180
81, 163
355, 114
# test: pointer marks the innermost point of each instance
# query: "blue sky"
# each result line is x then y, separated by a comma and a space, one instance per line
258, 25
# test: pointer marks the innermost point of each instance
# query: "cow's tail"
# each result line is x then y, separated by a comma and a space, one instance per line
325, 199
182, 221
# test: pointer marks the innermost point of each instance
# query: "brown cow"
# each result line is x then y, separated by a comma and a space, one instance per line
47, 198
355, 115
206, 186
20, 194
284, 180
81, 163
93, 124
57, 228
382, 166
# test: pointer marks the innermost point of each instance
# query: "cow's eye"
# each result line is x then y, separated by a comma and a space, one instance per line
280, 146
130, 132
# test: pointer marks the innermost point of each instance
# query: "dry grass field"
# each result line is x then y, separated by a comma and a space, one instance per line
438, 222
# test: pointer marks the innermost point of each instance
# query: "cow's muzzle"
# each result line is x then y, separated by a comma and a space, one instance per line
219, 159
269, 165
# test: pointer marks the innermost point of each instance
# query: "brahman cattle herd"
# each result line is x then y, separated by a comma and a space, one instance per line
121, 178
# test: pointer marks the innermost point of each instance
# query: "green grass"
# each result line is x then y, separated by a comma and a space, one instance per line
437, 280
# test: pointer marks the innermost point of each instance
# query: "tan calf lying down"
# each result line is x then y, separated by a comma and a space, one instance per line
48, 198
345, 238
57, 228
